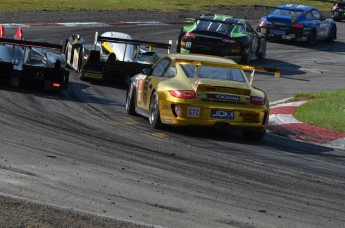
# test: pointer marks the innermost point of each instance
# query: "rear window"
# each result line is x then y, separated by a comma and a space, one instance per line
214, 27
285, 12
212, 72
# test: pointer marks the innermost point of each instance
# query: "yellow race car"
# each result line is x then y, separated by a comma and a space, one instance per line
200, 90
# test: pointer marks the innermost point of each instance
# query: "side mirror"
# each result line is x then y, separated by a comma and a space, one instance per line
147, 71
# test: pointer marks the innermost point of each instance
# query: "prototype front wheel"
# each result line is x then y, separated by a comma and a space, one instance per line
154, 115
80, 67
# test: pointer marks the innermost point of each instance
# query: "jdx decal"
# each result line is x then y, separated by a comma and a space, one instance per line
219, 114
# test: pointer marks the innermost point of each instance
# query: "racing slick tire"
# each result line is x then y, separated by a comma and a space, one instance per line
262, 54
332, 35
80, 71
253, 135
245, 59
312, 38
64, 51
154, 115
130, 102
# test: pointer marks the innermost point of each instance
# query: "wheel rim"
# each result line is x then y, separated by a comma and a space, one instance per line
153, 109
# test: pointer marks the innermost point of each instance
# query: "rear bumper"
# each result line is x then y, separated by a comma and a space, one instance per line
284, 34
203, 115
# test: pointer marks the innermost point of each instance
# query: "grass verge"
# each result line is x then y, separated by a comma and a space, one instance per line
162, 5
326, 109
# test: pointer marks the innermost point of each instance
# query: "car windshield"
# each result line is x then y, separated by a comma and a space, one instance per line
213, 72
124, 52
286, 12
214, 26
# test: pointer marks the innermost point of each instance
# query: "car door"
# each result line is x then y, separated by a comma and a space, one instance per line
147, 84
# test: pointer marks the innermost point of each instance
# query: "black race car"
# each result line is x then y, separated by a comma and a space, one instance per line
222, 35
338, 11
22, 60
114, 56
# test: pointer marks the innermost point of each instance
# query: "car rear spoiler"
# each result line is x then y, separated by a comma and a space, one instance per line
30, 44
276, 71
134, 42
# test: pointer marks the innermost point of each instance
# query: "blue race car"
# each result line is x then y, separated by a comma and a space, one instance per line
297, 23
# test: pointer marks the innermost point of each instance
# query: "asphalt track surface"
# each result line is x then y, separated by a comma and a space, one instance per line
78, 150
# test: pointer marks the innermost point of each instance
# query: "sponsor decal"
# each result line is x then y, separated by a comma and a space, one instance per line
69, 52
277, 32
193, 112
166, 120
166, 107
75, 60
223, 97
140, 82
220, 114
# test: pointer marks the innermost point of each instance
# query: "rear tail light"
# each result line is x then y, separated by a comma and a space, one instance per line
257, 100
184, 94
335, 7
227, 41
262, 22
189, 35
2, 33
56, 85
297, 26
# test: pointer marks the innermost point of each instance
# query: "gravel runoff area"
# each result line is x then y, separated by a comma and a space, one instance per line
20, 213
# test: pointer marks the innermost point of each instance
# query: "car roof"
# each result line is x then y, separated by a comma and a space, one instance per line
222, 17
199, 57
296, 7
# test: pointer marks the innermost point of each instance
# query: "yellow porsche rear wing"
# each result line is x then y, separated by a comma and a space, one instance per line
276, 71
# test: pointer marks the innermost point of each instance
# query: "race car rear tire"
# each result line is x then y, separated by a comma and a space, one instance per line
332, 35
253, 134
262, 54
246, 55
312, 38
130, 102
154, 115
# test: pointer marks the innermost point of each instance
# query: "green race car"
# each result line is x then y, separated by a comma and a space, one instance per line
222, 35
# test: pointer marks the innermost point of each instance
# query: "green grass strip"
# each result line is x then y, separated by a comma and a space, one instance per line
326, 110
